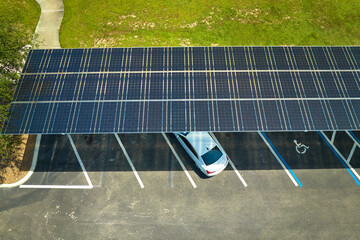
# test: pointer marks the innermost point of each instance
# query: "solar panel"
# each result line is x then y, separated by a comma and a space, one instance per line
106, 90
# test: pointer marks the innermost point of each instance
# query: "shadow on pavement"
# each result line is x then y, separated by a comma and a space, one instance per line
150, 152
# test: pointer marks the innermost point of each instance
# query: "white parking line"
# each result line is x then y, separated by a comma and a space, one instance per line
356, 144
237, 173
231, 163
79, 160
333, 137
352, 138
129, 160
178, 159
340, 155
279, 160
57, 186
351, 153
90, 186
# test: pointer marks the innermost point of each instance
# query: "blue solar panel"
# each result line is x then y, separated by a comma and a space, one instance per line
34, 61
98, 58
59, 118
354, 56
258, 58
322, 120
55, 59
239, 57
340, 57
157, 59
85, 117
100, 117
198, 56
117, 59
278, 58
300, 58
192, 58
75, 59
169, 89
219, 59
47, 87
67, 87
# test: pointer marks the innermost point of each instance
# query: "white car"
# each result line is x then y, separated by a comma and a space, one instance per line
206, 152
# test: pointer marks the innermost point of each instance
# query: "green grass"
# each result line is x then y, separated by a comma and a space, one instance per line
120, 23
30, 13
18, 20
27, 12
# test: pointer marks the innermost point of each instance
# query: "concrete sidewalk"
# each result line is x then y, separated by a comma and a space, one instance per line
52, 12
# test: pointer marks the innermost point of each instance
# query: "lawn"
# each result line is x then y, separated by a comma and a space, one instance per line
120, 23
27, 12
30, 13
18, 20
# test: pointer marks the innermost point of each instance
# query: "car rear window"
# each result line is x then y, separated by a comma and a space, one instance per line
212, 156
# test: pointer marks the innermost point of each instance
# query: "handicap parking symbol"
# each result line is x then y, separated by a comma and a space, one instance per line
301, 148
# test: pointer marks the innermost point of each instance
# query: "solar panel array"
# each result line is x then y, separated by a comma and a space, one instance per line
131, 90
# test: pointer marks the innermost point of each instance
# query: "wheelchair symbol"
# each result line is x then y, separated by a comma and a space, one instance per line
301, 148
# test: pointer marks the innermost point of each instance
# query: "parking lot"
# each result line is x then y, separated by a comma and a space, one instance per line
144, 186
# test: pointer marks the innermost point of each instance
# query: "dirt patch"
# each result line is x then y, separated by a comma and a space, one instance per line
20, 165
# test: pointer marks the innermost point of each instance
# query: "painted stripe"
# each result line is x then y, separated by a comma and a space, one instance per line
351, 153
353, 137
79, 160
237, 173
129, 160
57, 186
333, 137
342, 159
231, 163
90, 186
178, 159
280, 159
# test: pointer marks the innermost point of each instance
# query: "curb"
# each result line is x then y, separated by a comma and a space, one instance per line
32, 168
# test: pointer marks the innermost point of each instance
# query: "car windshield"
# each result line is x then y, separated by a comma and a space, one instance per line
212, 156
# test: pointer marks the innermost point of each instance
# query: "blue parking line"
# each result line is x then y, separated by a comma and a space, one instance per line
282, 159
352, 134
337, 155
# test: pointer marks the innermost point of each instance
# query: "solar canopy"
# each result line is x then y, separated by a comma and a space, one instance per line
133, 90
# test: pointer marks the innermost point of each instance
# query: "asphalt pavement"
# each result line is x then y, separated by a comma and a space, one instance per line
96, 189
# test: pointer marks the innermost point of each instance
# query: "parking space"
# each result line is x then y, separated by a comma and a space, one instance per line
252, 157
199, 178
355, 157
146, 186
57, 164
154, 161
318, 165
272, 159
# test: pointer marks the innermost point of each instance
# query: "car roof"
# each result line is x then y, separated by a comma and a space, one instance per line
201, 141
